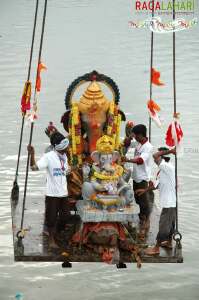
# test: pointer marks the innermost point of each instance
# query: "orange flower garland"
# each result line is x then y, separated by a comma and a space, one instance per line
114, 124
75, 136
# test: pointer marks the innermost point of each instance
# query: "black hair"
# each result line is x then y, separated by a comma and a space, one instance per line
56, 138
166, 158
140, 129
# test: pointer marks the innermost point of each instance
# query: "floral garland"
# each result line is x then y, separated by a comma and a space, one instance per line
76, 142
111, 118
117, 140
75, 136
114, 124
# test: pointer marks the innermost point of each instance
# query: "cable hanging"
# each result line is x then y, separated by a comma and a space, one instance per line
177, 235
151, 67
15, 188
20, 234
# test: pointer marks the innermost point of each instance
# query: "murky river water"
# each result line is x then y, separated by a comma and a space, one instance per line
82, 36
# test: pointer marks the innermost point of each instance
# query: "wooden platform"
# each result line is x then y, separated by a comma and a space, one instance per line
35, 247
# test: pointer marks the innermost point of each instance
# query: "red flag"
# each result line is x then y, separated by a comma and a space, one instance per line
155, 78
153, 109
25, 99
40, 67
174, 134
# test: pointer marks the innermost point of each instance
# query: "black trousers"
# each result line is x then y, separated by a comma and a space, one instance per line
166, 224
56, 212
145, 201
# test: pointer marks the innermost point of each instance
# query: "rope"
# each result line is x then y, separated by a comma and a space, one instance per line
28, 78
33, 40
177, 235
151, 66
32, 123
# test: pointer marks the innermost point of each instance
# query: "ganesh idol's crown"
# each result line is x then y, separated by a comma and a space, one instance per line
105, 144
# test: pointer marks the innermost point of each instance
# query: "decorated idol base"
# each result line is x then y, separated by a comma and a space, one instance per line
126, 214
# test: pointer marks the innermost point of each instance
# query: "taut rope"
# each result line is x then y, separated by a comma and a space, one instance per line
15, 189
177, 235
32, 123
151, 66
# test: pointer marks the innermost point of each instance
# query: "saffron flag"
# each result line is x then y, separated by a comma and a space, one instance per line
40, 67
25, 99
155, 78
174, 135
153, 109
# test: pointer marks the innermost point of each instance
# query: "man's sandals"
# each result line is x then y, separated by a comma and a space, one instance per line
156, 250
166, 244
152, 251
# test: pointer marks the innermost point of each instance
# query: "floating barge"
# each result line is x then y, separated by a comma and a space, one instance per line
35, 246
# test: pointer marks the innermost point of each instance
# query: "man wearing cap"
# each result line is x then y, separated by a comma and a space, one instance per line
56, 165
166, 184
141, 174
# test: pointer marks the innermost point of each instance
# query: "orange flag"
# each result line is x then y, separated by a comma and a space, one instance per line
156, 78
40, 67
153, 109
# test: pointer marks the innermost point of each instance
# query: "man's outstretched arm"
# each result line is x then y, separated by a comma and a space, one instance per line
135, 160
164, 152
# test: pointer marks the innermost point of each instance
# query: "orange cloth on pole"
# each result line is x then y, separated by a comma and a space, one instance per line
153, 109
156, 77
40, 67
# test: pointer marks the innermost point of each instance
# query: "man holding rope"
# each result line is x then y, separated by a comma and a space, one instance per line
56, 165
165, 182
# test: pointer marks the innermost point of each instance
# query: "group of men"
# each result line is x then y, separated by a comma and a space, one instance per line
55, 162
143, 186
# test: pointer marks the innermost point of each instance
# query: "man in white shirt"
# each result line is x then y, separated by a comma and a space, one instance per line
142, 164
56, 165
166, 184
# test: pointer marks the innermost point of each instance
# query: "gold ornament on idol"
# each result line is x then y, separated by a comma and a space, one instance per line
105, 144
117, 174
